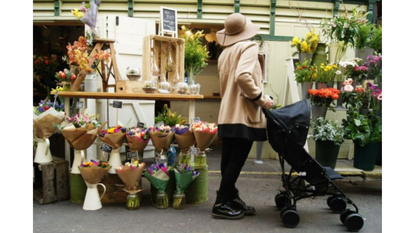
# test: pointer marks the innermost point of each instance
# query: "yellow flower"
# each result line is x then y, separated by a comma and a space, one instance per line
111, 130
296, 41
304, 47
78, 14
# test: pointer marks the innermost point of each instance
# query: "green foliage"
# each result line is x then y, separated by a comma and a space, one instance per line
168, 118
377, 39
305, 72
327, 130
195, 53
363, 129
363, 37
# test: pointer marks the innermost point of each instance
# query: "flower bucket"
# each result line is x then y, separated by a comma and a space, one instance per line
305, 86
303, 56
115, 160
365, 156
43, 154
320, 56
318, 111
364, 53
92, 198
327, 153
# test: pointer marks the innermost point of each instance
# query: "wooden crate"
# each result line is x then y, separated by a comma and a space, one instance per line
114, 192
154, 45
127, 86
51, 181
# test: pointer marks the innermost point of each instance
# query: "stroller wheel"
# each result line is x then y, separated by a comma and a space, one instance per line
331, 198
354, 222
345, 213
290, 218
338, 204
282, 200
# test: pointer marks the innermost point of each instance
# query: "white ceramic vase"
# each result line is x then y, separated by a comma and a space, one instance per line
115, 160
79, 156
43, 154
92, 199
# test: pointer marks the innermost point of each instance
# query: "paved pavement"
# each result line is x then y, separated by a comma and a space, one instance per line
258, 185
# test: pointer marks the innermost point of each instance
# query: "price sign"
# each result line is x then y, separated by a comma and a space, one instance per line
140, 125
117, 104
106, 148
159, 124
79, 105
197, 119
132, 154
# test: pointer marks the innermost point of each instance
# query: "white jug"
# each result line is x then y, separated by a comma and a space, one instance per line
115, 160
43, 154
78, 158
92, 199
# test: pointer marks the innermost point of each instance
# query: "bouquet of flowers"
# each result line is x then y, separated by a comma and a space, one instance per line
305, 72
184, 175
158, 176
45, 118
326, 73
359, 72
87, 13
161, 136
323, 96
130, 174
204, 133
94, 171
137, 138
113, 137
185, 139
45, 67
374, 65
307, 45
80, 131
347, 67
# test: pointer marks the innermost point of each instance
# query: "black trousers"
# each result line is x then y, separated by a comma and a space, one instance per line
234, 154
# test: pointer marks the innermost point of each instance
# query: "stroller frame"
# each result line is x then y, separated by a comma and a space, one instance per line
287, 131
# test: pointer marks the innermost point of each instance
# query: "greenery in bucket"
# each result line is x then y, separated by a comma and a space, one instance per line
327, 130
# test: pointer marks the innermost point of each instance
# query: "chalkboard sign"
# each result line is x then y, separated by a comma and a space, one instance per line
106, 148
168, 21
117, 104
140, 125
132, 154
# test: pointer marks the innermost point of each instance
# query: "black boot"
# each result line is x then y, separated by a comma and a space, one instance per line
239, 204
223, 208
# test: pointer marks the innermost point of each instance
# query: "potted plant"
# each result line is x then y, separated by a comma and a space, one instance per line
321, 100
196, 54
341, 32
305, 74
376, 42
363, 40
328, 135
363, 127
305, 48
325, 75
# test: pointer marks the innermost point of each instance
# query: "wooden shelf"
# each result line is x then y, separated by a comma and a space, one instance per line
138, 96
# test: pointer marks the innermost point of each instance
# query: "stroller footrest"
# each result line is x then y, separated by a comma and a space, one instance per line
332, 174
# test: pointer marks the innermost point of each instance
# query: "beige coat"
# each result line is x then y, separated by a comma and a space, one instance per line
241, 88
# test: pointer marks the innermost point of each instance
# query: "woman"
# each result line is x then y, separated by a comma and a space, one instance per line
240, 121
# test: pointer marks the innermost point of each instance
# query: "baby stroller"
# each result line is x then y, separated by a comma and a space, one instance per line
287, 133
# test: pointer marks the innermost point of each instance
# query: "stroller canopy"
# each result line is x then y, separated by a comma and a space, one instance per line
293, 118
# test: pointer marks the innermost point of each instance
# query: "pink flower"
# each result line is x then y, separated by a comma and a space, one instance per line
380, 96
348, 88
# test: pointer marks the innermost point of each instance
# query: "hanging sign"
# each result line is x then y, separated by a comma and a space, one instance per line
168, 21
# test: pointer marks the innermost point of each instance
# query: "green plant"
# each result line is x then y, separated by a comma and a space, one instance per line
363, 37
327, 130
377, 39
168, 118
195, 53
344, 27
361, 128
305, 72
326, 73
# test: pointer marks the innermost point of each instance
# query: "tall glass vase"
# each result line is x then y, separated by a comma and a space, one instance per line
194, 88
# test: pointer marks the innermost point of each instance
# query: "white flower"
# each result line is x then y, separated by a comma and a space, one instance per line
348, 88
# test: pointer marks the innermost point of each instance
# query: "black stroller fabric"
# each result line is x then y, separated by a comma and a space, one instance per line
287, 130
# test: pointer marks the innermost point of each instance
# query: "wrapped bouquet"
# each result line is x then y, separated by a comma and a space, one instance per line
162, 137
158, 176
204, 133
137, 138
113, 137
80, 131
130, 174
184, 175
185, 139
45, 118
